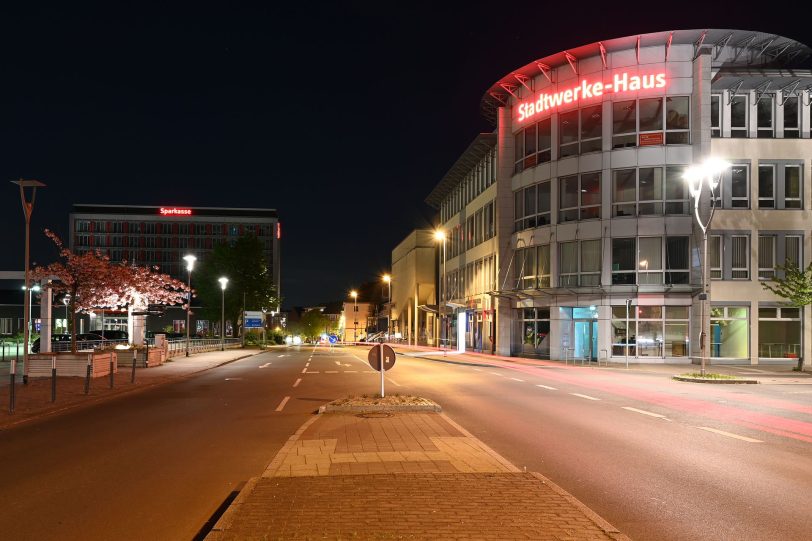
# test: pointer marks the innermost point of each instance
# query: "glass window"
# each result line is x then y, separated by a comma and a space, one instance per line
766, 186
779, 333
624, 124
651, 191
716, 116
624, 192
738, 116
590, 262
766, 257
676, 193
543, 265
568, 134
677, 260
764, 116
792, 187
543, 205
650, 261
739, 186
590, 193
791, 118
568, 199
740, 257
677, 115
651, 114
792, 249
530, 207
591, 128
518, 152
650, 339
518, 210
568, 264
623, 261
545, 140
530, 140
730, 334
715, 256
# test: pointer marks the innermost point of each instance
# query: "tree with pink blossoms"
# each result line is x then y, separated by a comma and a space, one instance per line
92, 282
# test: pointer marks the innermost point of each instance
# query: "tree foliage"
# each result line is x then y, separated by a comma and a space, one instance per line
245, 266
92, 281
795, 287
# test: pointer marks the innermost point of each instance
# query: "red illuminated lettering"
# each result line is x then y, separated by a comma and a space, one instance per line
173, 211
621, 82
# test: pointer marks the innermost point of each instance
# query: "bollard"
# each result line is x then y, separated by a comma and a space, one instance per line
53, 378
135, 357
87, 378
12, 369
111, 371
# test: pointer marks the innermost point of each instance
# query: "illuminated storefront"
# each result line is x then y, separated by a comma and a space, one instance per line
595, 251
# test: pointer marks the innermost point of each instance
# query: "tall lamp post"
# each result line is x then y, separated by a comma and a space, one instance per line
354, 295
707, 173
66, 301
190, 264
439, 235
223, 282
33, 289
388, 279
28, 209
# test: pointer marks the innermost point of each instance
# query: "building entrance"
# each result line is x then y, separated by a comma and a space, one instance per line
585, 339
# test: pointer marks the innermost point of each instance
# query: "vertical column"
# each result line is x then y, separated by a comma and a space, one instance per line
46, 321
504, 227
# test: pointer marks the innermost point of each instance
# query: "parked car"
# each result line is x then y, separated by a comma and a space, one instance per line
116, 335
54, 338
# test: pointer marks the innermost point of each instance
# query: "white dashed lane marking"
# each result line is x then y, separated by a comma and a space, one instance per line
282, 404
729, 435
546, 387
304, 370
585, 396
644, 412
298, 381
517, 379
496, 374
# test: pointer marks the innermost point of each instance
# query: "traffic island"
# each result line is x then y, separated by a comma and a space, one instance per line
375, 403
713, 378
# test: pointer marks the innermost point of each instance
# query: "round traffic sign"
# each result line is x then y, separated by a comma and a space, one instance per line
374, 357
333, 339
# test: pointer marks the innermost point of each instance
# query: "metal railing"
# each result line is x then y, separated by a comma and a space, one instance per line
200, 345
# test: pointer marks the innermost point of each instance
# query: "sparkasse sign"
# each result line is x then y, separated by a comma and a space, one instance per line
621, 82
174, 211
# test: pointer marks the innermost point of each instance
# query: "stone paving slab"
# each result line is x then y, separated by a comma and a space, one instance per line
401, 476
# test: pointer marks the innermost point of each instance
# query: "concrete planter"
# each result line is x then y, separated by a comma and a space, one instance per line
157, 357
72, 364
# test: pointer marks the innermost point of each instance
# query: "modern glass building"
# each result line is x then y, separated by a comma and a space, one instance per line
573, 229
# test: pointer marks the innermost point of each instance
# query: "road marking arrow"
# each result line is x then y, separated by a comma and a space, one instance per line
266, 365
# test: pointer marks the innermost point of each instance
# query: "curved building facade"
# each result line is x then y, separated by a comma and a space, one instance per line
571, 228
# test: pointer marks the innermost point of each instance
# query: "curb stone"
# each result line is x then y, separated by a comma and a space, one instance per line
374, 408
716, 381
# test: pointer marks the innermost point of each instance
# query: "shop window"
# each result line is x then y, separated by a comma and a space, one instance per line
716, 115
791, 118
779, 332
653, 331
764, 116
650, 340
623, 339
738, 116
730, 332
535, 331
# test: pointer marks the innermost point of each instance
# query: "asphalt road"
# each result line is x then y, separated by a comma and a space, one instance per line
658, 459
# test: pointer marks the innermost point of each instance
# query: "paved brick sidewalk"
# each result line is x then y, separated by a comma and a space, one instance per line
402, 476
33, 401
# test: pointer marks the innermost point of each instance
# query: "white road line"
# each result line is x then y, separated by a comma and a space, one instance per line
266, 365
393, 381
517, 379
311, 372
644, 412
478, 369
331, 371
283, 355
585, 396
282, 404
233, 379
546, 387
298, 381
728, 434
350, 371
304, 370
496, 374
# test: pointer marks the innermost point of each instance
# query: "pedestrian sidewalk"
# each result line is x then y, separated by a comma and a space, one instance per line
33, 401
400, 476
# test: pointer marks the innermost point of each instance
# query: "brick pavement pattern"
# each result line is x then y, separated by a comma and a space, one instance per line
400, 476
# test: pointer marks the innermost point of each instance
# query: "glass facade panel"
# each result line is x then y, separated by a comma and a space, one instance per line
738, 116
651, 114
624, 192
766, 186
568, 134
624, 124
623, 261
792, 187
591, 128
730, 335
779, 333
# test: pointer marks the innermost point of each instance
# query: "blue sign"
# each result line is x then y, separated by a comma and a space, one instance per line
333, 339
253, 323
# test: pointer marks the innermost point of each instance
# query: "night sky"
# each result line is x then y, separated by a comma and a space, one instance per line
343, 118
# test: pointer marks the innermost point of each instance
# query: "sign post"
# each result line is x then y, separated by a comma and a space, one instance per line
381, 358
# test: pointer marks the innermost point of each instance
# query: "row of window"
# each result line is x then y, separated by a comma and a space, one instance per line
161, 228
647, 121
172, 244
768, 106
477, 228
475, 278
655, 260
482, 175
780, 185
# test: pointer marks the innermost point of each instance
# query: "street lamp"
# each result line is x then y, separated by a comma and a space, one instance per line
354, 295
190, 264
439, 235
66, 301
223, 282
388, 280
696, 176
34, 288
28, 209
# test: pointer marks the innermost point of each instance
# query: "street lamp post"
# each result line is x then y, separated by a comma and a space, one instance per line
440, 236
388, 280
354, 295
66, 301
190, 264
709, 172
223, 282
31, 290
28, 209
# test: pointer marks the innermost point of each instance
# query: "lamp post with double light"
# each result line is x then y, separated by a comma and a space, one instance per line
708, 174
440, 236
388, 279
354, 295
190, 264
33, 289
223, 283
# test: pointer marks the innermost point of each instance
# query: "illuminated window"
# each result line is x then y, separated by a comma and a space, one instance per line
730, 331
